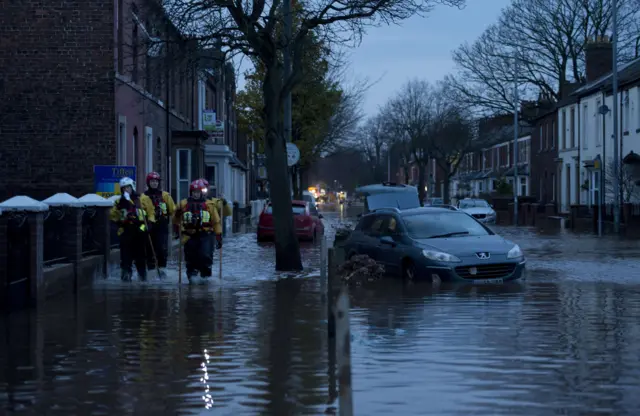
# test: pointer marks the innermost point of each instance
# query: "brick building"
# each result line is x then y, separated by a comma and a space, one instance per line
91, 83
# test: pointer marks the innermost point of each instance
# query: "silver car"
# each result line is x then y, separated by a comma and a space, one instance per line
479, 209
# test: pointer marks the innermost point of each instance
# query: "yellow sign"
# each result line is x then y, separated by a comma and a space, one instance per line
596, 164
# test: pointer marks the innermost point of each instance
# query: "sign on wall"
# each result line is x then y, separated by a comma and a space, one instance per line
107, 178
208, 120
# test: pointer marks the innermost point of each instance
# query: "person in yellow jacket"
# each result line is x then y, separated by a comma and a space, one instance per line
134, 215
199, 221
164, 209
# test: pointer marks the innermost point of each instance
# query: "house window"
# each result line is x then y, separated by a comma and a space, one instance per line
563, 126
585, 111
523, 186
598, 128
554, 134
626, 112
572, 126
134, 52
480, 185
122, 143
183, 173
541, 134
135, 147
149, 149
210, 175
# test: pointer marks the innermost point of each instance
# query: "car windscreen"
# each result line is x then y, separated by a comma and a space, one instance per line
437, 224
474, 203
297, 210
401, 200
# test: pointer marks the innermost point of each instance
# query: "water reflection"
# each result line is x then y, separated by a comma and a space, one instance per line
562, 342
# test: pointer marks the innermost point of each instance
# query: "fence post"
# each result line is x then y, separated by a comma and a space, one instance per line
102, 230
36, 256
331, 319
343, 353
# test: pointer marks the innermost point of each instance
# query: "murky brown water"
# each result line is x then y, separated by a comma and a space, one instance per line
565, 341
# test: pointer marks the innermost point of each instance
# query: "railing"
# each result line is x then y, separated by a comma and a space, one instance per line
90, 246
54, 235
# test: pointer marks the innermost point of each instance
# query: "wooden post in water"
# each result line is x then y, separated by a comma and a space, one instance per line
323, 268
331, 319
343, 353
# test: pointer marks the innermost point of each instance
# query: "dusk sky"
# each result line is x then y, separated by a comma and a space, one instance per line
420, 48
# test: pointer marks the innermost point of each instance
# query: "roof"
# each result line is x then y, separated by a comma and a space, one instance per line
627, 73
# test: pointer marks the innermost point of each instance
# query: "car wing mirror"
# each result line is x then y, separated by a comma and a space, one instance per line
387, 240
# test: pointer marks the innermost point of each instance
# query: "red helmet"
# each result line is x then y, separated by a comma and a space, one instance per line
198, 185
153, 175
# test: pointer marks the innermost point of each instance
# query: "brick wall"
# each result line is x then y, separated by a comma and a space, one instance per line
57, 115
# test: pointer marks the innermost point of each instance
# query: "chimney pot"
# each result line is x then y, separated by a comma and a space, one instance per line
599, 58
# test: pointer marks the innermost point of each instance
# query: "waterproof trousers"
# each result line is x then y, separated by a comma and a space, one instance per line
133, 244
198, 254
159, 238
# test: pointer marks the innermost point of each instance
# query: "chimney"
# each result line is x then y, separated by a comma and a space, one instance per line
568, 88
599, 57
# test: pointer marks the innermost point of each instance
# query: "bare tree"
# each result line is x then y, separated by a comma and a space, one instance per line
255, 28
451, 135
373, 140
628, 188
411, 116
548, 38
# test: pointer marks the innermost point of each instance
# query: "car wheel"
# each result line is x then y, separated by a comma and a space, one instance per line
408, 270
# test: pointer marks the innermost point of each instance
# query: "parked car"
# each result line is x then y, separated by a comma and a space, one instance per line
308, 226
435, 243
478, 209
388, 195
449, 207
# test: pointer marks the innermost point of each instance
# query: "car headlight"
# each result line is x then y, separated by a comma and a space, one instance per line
440, 256
515, 253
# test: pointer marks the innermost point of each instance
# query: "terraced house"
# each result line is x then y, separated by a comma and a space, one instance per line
586, 128
99, 86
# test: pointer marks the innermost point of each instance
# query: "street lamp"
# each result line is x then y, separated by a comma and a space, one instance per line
604, 110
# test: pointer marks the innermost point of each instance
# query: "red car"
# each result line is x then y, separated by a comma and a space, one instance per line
308, 226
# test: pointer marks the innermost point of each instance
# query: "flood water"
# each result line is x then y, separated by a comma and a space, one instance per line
565, 341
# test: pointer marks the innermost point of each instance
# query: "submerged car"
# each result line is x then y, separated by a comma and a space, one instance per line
478, 209
308, 226
435, 244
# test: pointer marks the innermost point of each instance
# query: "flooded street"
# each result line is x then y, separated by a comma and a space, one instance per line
564, 341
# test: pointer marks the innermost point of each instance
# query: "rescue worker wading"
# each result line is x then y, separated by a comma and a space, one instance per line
200, 222
164, 209
133, 213
220, 203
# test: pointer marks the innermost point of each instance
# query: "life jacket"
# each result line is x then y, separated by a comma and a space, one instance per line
196, 216
131, 213
159, 204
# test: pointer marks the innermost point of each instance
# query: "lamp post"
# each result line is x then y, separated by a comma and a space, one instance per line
603, 110
515, 139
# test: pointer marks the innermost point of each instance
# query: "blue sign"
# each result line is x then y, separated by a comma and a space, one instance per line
107, 178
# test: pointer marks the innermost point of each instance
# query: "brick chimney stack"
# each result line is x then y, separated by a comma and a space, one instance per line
599, 57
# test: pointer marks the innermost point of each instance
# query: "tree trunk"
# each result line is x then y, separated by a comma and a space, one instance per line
446, 197
286, 242
421, 183
297, 192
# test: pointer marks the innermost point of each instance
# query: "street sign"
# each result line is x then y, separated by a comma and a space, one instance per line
107, 178
293, 154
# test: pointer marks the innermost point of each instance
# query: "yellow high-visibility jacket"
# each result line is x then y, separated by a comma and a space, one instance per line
167, 206
212, 223
145, 213
223, 209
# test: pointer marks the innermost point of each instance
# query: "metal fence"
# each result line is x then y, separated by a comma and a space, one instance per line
18, 247
89, 223
54, 232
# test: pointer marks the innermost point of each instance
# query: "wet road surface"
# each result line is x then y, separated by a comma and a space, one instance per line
565, 341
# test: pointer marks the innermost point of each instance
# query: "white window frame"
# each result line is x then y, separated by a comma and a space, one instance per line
563, 136
121, 156
148, 134
179, 179
626, 103
523, 184
134, 140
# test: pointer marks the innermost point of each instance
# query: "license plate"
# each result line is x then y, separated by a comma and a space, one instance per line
488, 281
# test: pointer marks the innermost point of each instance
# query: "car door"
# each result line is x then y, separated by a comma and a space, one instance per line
389, 255
371, 237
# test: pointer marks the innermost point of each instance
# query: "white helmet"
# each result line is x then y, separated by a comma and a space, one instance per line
126, 181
